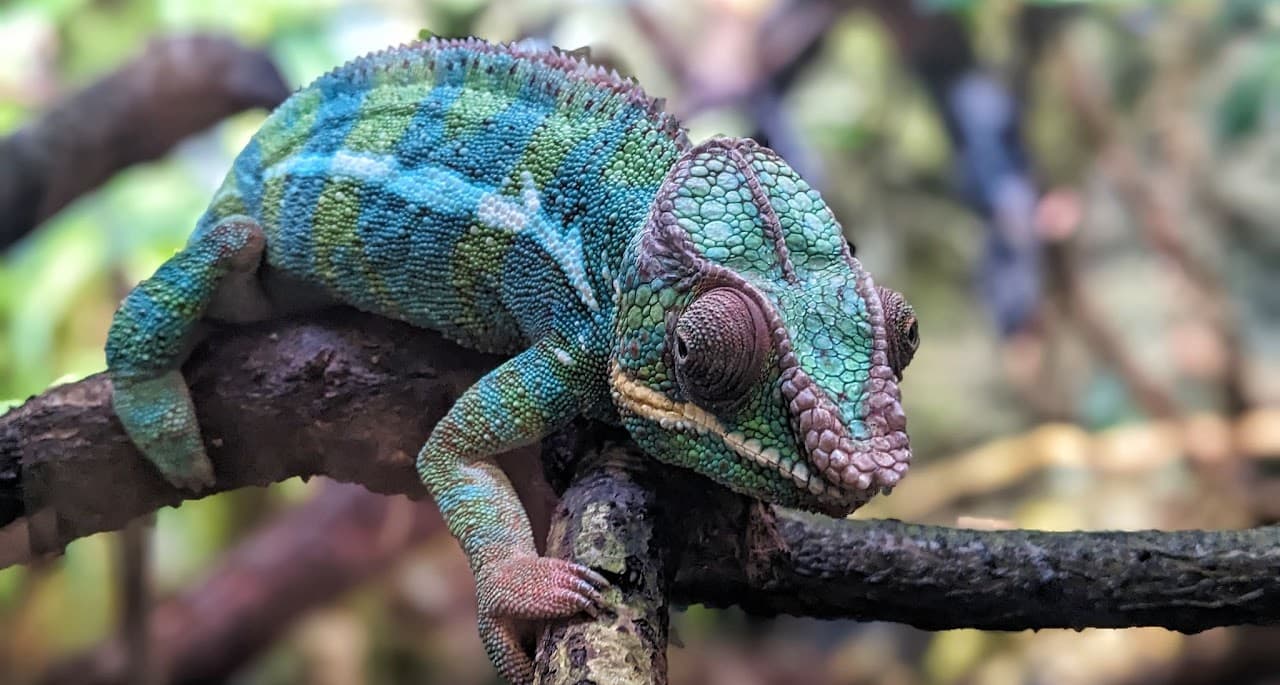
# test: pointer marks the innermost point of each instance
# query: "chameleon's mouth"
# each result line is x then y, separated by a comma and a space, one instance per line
864, 466
652, 405
839, 471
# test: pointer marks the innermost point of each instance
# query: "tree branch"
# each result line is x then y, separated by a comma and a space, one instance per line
353, 396
939, 578
611, 519
350, 397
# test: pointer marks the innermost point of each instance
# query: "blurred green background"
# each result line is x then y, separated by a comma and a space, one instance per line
1074, 373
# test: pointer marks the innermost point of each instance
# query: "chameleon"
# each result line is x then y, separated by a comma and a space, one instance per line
520, 200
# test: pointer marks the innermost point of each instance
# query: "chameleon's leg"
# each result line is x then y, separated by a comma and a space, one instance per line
519, 402
155, 329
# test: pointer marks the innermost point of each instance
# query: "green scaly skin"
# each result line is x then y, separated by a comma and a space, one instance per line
519, 200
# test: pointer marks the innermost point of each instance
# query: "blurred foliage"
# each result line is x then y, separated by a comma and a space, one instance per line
1205, 72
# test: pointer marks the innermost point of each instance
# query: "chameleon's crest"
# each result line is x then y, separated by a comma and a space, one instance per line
747, 329
525, 67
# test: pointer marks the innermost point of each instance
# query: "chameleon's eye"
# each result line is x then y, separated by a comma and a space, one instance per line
720, 344
902, 328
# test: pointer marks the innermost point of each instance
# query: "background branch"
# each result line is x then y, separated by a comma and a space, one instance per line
178, 86
315, 552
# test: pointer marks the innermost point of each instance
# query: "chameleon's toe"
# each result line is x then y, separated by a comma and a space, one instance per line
538, 588
531, 588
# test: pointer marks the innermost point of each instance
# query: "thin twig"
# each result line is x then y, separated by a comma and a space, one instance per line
1101, 337
1159, 223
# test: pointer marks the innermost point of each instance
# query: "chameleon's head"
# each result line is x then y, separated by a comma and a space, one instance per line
752, 347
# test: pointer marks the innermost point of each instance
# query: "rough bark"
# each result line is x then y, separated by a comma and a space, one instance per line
610, 519
938, 578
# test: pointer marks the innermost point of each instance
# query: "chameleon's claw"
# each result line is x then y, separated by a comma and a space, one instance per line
531, 588
595, 579
540, 588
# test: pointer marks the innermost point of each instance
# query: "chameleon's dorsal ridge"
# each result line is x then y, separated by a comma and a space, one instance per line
469, 53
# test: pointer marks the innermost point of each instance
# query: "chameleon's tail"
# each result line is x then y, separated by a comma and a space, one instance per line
157, 326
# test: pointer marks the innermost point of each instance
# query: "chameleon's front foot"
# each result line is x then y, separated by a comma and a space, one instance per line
530, 588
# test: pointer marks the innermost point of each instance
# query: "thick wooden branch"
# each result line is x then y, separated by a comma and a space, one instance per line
939, 578
349, 397
352, 397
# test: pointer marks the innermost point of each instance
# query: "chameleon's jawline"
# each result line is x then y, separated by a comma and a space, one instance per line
654, 406
835, 497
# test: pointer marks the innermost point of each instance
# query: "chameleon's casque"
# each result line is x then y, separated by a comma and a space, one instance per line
519, 200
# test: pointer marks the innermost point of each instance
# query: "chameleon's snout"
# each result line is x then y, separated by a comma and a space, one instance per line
863, 448
862, 465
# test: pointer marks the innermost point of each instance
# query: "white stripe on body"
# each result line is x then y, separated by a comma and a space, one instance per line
451, 193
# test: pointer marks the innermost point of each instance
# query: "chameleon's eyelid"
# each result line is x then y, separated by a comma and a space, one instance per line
731, 357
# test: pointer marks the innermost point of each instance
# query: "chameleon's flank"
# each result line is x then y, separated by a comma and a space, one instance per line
519, 200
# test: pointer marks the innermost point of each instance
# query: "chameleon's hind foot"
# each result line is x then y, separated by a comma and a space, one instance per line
159, 418
530, 588
157, 326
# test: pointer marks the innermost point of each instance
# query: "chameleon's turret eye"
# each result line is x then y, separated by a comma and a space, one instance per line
719, 345
901, 327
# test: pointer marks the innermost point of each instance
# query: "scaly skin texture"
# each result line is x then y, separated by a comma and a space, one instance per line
519, 200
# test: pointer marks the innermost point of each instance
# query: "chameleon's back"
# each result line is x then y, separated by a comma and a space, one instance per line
472, 188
